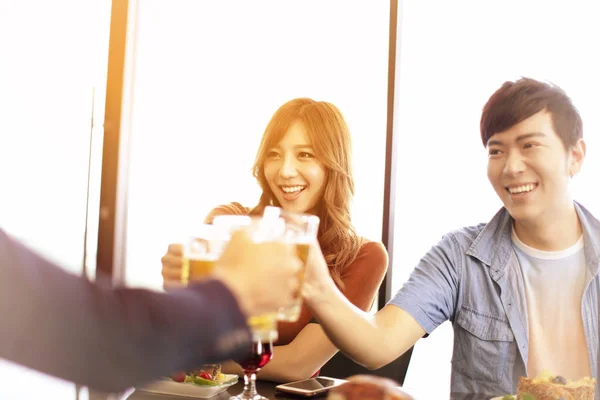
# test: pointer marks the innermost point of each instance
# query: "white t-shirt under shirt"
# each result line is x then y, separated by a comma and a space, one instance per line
554, 285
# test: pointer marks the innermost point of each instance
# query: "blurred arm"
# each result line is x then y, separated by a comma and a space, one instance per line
109, 339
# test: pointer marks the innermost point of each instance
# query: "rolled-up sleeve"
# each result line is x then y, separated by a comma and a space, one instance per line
430, 293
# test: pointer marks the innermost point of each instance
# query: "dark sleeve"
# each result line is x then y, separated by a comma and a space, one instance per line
430, 293
109, 339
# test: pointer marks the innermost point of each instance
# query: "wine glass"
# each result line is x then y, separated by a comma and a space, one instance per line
260, 354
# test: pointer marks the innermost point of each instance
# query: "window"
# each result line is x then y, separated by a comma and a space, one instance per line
209, 76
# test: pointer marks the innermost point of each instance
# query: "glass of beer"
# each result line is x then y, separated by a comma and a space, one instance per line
264, 326
300, 230
201, 252
230, 223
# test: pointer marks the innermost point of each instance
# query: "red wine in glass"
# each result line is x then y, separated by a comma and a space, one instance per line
260, 354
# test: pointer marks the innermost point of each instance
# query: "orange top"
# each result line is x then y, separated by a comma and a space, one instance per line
361, 279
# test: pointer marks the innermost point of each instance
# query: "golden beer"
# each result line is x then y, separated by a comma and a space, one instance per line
201, 252
199, 267
292, 313
302, 250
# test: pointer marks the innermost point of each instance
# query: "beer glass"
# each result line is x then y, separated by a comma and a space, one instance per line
264, 326
230, 223
201, 252
300, 230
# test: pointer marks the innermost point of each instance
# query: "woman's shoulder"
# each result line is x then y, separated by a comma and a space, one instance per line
233, 208
372, 254
372, 250
364, 275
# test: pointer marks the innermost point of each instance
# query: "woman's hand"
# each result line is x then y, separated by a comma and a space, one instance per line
172, 265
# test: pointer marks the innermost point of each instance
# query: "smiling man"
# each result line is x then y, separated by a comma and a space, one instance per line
522, 291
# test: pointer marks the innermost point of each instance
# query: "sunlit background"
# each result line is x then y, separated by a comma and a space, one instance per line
53, 60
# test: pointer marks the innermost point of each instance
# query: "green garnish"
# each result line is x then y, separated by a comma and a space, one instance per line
205, 382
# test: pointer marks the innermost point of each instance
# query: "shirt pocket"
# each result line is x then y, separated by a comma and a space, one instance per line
482, 343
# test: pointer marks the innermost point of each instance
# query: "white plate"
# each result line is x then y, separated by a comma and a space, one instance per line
170, 387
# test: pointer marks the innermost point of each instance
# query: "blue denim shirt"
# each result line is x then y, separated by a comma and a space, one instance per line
472, 278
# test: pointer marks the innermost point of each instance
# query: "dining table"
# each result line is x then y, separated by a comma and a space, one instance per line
264, 388
267, 389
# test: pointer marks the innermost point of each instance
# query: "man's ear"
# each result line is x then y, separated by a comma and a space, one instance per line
577, 154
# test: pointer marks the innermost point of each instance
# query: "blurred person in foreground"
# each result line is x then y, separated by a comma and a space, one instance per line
113, 338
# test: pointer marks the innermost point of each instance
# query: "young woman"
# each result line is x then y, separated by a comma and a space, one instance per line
303, 164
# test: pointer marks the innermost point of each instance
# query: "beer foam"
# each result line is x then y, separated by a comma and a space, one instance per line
202, 257
298, 239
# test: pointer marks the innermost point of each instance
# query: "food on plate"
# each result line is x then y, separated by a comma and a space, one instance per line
206, 375
208, 371
368, 387
178, 376
547, 386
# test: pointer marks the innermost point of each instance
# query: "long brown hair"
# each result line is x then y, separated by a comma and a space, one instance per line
330, 138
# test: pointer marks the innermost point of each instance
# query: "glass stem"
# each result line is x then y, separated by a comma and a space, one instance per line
250, 385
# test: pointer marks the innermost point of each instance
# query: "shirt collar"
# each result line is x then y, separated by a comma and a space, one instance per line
493, 245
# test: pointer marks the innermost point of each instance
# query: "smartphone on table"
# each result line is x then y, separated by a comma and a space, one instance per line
310, 387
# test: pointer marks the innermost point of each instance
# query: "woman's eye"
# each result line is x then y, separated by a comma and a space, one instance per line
305, 154
494, 152
272, 154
